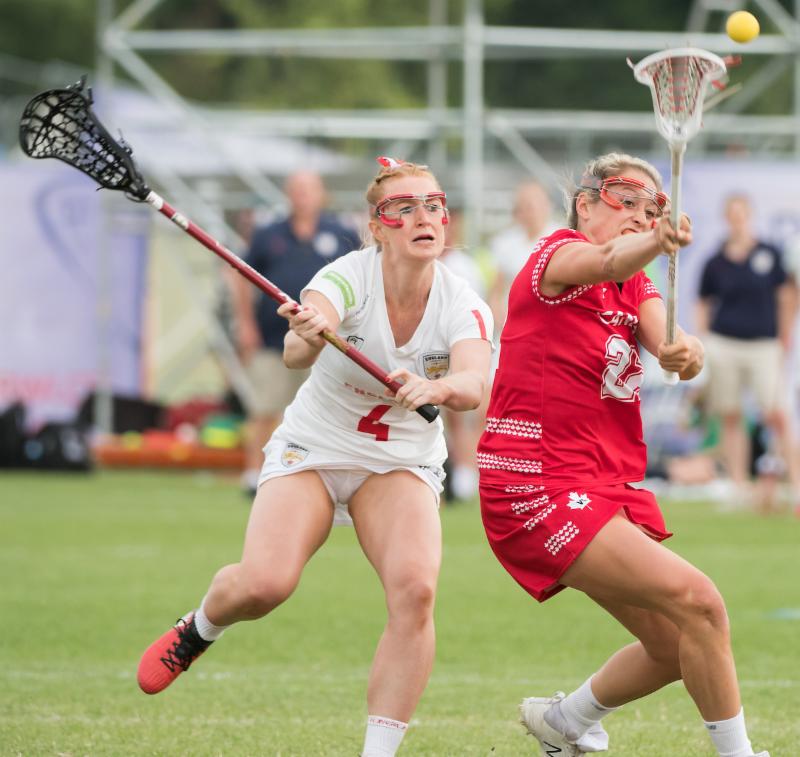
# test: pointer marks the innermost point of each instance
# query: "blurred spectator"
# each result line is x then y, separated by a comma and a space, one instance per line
462, 429
288, 252
747, 306
681, 439
512, 248
456, 258
792, 264
242, 222
676, 429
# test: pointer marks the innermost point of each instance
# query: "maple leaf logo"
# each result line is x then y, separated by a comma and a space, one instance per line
578, 501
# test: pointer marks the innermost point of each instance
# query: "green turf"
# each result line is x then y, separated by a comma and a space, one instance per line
93, 568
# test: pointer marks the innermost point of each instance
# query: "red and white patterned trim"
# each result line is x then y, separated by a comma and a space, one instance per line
541, 262
531, 523
650, 289
514, 427
523, 488
522, 507
518, 465
562, 537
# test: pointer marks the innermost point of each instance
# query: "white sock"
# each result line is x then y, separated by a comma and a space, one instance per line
730, 736
383, 736
576, 713
205, 627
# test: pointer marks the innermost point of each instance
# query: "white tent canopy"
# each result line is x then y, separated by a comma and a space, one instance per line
187, 144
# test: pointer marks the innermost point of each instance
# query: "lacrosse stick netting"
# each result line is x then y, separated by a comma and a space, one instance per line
60, 124
679, 80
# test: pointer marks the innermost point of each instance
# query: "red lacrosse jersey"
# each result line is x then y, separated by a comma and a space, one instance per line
565, 399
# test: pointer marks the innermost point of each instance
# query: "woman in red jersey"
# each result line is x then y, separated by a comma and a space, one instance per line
563, 441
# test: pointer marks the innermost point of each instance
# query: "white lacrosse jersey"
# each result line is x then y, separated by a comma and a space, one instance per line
341, 414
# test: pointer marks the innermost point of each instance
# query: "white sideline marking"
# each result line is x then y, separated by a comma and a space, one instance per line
295, 676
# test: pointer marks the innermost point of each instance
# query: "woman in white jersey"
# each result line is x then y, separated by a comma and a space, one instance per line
347, 446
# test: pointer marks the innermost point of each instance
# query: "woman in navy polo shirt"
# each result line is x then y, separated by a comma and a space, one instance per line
746, 306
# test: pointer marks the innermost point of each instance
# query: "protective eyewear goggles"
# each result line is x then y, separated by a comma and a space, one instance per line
391, 210
631, 194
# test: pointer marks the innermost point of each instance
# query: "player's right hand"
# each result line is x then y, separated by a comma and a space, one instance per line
668, 239
305, 321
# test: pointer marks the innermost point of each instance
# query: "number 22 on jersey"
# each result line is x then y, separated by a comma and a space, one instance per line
623, 374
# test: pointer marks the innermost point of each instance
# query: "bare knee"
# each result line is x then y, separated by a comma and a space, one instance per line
776, 420
260, 593
697, 603
412, 599
732, 420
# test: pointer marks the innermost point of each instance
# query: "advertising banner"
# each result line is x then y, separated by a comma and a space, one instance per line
73, 264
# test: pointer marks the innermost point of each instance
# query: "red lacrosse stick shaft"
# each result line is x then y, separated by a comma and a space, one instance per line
428, 412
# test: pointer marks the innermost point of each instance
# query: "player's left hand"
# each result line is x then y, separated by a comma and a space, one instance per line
416, 390
684, 356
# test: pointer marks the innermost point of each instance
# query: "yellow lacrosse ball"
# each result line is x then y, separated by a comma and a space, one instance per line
742, 26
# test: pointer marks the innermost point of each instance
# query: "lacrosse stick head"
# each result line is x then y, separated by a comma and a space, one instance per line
60, 123
679, 80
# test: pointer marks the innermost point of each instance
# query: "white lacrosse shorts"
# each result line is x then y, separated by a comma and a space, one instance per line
342, 479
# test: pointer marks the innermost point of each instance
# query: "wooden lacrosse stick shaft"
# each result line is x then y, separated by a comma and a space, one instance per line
678, 79
427, 411
676, 152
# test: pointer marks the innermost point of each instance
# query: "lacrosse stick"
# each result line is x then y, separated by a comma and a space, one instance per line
60, 124
678, 80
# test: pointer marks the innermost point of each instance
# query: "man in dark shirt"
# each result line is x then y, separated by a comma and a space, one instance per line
288, 252
746, 307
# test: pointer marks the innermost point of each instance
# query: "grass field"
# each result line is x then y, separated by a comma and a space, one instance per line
93, 568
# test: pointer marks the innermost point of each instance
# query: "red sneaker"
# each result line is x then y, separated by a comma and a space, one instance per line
167, 657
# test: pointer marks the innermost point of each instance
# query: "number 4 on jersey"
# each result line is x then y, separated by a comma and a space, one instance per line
370, 423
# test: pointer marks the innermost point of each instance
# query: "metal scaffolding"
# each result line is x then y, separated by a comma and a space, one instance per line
493, 146
520, 133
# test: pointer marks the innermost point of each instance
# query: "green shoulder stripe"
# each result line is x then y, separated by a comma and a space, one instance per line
344, 287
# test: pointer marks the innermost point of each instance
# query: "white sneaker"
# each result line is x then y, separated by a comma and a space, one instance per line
594, 740
553, 743
761, 754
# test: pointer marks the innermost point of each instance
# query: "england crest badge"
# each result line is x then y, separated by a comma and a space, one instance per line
435, 364
293, 454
